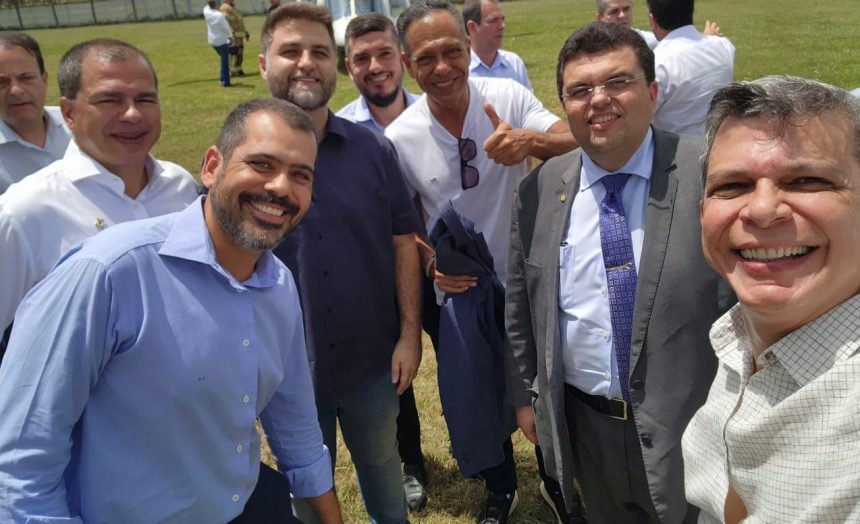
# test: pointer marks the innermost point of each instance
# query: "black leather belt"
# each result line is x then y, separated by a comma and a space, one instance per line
612, 407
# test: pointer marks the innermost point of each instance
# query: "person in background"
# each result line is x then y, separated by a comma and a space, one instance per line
31, 135
485, 26
109, 100
621, 12
240, 35
176, 334
776, 440
689, 67
219, 34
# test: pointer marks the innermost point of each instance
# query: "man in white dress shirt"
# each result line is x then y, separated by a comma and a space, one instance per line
621, 12
690, 67
31, 135
485, 25
109, 99
776, 440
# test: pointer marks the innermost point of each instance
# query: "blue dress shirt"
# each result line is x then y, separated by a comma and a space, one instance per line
358, 112
342, 256
584, 320
134, 376
506, 65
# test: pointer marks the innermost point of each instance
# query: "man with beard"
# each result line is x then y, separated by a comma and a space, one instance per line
355, 262
373, 63
138, 367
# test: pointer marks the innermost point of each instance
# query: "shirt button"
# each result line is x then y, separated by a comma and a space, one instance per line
605, 334
607, 376
235, 497
246, 399
239, 448
603, 290
246, 343
770, 357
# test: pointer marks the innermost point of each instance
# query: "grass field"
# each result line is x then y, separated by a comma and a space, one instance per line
771, 36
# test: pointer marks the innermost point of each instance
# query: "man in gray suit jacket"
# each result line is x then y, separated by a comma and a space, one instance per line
605, 380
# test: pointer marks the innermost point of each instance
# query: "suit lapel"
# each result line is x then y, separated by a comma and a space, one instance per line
658, 222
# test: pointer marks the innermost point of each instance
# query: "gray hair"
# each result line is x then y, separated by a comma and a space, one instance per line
782, 101
421, 10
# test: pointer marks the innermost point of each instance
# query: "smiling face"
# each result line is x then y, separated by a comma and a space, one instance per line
374, 66
263, 190
300, 64
440, 58
22, 89
617, 12
781, 218
609, 128
115, 116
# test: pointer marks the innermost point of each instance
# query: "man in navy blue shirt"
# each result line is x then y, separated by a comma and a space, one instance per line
355, 261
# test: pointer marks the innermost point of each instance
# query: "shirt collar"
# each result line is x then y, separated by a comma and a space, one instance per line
189, 239
7, 134
78, 165
687, 31
362, 111
805, 353
640, 164
499, 61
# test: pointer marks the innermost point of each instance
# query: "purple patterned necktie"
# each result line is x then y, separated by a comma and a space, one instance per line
620, 272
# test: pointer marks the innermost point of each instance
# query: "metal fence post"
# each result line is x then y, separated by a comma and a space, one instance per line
18, 12
93, 10
54, 12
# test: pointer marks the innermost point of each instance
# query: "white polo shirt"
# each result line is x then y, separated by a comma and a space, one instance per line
19, 158
430, 159
690, 67
54, 209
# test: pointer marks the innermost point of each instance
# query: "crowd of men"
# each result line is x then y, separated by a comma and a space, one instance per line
667, 306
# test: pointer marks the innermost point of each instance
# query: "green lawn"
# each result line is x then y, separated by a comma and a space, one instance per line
771, 36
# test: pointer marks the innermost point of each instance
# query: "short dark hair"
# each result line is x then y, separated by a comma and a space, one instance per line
472, 12
107, 49
295, 11
420, 10
233, 132
671, 14
598, 37
25, 42
781, 101
369, 23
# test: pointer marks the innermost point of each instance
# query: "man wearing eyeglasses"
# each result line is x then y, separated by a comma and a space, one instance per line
609, 298
465, 142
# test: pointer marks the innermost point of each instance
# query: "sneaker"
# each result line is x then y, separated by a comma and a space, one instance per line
414, 486
498, 507
555, 501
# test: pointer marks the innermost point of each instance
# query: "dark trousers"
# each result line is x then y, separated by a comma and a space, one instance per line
224, 56
238, 52
609, 466
270, 502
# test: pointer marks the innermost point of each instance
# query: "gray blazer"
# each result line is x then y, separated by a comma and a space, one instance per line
678, 297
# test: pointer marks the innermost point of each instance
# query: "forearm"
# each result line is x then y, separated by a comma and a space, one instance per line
407, 281
326, 508
558, 140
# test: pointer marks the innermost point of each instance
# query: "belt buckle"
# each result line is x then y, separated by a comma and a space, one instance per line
623, 402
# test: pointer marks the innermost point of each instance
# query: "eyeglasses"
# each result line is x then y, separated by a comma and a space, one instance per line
469, 175
611, 88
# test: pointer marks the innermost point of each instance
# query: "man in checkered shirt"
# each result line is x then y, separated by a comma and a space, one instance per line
778, 439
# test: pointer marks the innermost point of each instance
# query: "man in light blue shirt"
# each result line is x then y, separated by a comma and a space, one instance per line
31, 135
485, 25
373, 63
139, 365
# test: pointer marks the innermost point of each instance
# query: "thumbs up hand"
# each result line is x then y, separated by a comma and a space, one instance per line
507, 146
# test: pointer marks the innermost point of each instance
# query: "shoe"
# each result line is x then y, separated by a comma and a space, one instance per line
555, 501
414, 486
240, 73
498, 507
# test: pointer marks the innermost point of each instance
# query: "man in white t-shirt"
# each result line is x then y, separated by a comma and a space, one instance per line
31, 135
690, 67
109, 100
485, 25
465, 142
219, 35
621, 12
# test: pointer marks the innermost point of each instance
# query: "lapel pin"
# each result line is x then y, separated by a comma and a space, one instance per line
563, 197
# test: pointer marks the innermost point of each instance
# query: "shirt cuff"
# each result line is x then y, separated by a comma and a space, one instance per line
311, 480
